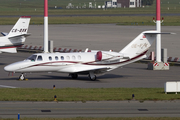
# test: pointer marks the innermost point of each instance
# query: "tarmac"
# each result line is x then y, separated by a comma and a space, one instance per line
90, 109
101, 37
133, 75
94, 36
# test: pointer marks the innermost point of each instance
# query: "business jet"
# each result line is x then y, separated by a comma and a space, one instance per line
88, 62
16, 37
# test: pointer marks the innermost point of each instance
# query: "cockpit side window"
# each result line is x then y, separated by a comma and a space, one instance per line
39, 58
32, 58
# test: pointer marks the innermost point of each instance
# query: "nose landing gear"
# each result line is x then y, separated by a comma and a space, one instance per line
22, 77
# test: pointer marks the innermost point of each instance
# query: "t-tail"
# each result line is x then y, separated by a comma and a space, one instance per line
16, 37
136, 49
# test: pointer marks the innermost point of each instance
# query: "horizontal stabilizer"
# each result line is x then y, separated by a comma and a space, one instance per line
4, 34
157, 32
25, 35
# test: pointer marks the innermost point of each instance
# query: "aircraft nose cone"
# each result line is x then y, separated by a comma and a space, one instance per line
8, 68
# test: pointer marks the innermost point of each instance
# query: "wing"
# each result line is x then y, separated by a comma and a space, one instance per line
84, 69
95, 71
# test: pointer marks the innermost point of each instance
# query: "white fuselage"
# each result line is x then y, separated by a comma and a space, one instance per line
71, 62
13, 42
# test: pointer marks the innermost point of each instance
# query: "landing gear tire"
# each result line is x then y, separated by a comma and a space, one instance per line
93, 78
22, 77
74, 76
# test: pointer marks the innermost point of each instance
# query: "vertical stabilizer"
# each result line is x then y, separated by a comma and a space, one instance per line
21, 27
16, 37
140, 44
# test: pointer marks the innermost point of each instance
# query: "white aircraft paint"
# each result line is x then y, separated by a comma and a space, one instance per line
16, 37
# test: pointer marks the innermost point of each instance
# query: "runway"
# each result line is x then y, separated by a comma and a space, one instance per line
90, 109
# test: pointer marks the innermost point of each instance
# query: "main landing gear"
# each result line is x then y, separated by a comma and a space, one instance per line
74, 75
91, 76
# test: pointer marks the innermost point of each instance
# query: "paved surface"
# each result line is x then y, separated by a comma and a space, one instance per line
103, 37
130, 76
90, 109
94, 36
99, 36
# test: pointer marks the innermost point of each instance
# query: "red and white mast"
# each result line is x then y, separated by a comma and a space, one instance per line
46, 26
158, 28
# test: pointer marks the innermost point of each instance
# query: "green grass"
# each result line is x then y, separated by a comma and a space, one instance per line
80, 94
35, 7
120, 20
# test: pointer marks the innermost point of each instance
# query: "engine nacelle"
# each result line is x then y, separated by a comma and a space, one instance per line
99, 56
106, 55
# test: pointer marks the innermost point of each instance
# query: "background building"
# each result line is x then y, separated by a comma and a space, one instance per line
135, 3
123, 3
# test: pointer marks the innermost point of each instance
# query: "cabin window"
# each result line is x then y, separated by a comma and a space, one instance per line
39, 58
62, 57
79, 57
50, 58
73, 57
32, 57
67, 57
56, 58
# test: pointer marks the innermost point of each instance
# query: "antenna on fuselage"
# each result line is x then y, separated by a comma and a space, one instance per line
46, 26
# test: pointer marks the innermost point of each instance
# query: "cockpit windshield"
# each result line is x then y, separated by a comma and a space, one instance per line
32, 57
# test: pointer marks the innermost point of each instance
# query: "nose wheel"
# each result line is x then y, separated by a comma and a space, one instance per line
22, 77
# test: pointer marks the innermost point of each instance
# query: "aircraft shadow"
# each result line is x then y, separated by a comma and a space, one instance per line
55, 77
109, 76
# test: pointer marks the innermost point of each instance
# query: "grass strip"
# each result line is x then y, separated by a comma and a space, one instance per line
119, 20
82, 94
90, 118
35, 7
